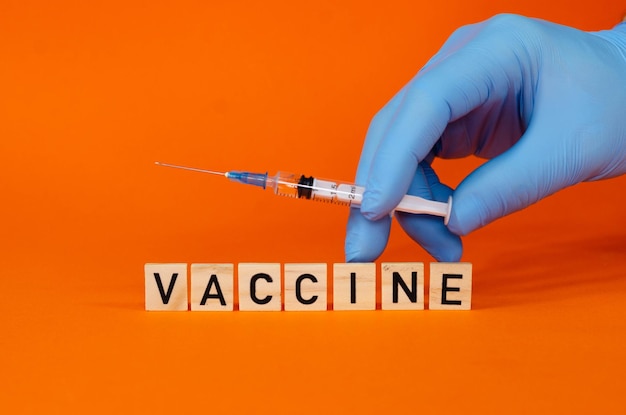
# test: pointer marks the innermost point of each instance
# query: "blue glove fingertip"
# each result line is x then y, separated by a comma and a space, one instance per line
370, 207
456, 225
365, 239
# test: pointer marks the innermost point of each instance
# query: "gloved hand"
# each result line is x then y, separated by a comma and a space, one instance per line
545, 103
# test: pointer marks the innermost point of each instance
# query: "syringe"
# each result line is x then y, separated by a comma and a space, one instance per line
303, 187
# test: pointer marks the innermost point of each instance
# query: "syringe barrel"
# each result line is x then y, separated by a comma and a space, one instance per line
284, 184
307, 187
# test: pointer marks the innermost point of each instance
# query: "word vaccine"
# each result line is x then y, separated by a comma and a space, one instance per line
305, 286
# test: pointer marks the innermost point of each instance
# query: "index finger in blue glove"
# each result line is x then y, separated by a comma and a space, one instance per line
483, 71
366, 239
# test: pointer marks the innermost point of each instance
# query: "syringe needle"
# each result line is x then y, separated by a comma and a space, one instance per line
158, 163
303, 187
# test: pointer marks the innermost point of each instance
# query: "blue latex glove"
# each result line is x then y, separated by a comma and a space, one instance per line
545, 103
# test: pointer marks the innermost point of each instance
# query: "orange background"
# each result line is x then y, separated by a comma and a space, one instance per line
92, 93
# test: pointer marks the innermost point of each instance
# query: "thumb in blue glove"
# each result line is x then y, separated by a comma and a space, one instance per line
545, 103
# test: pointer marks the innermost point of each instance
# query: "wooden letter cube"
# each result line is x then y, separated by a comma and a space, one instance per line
212, 287
402, 286
450, 286
166, 287
306, 287
354, 286
259, 287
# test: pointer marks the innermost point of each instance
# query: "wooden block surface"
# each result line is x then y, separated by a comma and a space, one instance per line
402, 285
450, 286
259, 287
166, 287
354, 286
306, 287
212, 287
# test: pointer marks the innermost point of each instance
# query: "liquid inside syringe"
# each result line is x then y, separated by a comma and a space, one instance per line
308, 187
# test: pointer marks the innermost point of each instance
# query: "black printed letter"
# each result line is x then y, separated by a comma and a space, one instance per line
165, 297
412, 294
299, 289
353, 288
253, 296
445, 289
207, 292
